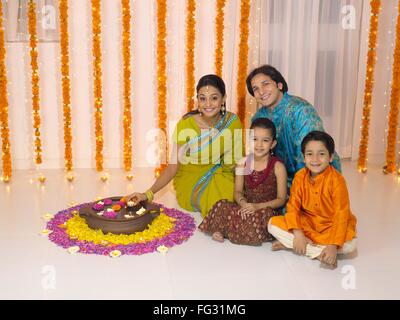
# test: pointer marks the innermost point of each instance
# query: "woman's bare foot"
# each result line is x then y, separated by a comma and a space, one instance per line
276, 246
217, 236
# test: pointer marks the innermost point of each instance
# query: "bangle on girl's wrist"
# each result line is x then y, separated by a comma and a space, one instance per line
149, 195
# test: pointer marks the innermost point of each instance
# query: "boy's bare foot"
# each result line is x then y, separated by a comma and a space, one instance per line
217, 236
276, 246
326, 265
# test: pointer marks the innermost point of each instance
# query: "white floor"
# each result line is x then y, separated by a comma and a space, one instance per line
32, 267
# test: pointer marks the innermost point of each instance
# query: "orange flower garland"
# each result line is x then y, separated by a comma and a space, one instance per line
4, 129
369, 84
190, 46
394, 104
35, 79
243, 57
162, 80
126, 55
66, 84
219, 35
97, 74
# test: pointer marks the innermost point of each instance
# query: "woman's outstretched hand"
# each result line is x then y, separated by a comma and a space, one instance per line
136, 197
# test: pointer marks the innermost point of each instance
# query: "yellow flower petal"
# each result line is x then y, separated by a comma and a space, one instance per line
77, 228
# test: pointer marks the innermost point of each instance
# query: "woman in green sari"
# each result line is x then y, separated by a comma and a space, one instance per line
207, 145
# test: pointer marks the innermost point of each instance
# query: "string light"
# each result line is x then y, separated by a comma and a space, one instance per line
369, 84
219, 35
243, 57
126, 55
104, 177
252, 106
390, 166
162, 82
66, 87
42, 178
4, 128
35, 79
70, 176
190, 47
97, 75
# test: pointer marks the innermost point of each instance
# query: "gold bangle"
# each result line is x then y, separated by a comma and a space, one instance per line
150, 195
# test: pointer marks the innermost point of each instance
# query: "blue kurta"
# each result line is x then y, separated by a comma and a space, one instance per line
294, 118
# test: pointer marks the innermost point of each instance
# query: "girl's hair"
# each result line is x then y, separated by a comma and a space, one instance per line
209, 80
269, 71
264, 123
325, 138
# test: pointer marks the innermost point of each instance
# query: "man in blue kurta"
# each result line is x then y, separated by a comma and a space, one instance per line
293, 117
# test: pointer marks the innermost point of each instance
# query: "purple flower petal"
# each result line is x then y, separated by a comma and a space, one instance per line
107, 202
182, 231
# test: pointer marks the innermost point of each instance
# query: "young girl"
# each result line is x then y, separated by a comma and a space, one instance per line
260, 192
318, 222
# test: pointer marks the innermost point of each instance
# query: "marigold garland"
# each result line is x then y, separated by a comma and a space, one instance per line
369, 84
394, 104
97, 75
243, 57
162, 81
4, 128
66, 84
33, 40
190, 47
126, 56
219, 35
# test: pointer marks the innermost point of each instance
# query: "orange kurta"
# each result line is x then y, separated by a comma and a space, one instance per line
321, 208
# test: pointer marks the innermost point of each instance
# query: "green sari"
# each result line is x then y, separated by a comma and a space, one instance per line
207, 161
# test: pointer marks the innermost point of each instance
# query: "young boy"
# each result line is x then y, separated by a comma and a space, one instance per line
318, 221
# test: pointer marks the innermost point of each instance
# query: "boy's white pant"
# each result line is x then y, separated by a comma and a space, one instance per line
312, 250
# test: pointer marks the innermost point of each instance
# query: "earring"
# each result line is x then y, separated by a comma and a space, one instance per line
200, 113
223, 109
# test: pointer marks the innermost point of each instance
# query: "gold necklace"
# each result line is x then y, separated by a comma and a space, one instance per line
211, 126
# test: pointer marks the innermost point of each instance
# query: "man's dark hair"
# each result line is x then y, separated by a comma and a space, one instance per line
269, 71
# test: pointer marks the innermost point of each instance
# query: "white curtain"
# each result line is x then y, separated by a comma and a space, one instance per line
304, 39
144, 86
382, 82
315, 45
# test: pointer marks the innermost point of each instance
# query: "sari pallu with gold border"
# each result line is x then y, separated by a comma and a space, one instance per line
206, 162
